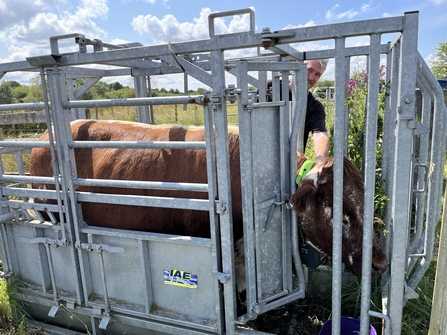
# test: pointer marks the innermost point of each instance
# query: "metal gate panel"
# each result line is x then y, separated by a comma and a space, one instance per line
39, 261
268, 215
152, 276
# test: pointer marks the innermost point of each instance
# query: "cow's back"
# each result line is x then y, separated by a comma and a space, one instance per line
168, 165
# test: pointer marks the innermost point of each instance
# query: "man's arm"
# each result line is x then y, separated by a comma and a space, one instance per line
321, 145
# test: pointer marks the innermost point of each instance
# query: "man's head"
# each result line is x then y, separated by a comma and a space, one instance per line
315, 69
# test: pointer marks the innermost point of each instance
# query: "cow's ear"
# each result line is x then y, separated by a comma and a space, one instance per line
303, 196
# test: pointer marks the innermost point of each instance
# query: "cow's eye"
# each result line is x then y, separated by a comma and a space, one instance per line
345, 220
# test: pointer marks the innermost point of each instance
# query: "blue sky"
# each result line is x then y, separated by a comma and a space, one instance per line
26, 25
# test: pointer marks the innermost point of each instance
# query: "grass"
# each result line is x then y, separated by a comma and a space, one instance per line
8, 325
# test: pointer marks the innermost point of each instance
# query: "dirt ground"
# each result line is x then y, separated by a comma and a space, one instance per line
303, 317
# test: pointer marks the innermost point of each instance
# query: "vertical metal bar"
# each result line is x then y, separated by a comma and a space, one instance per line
402, 176
369, 166
77, 113
346, 130
151, 107
52, 276
141, 92
299, 104
185, 88
296, 140
54, 164
284, 170
143, 248
391, 113
224, 188
67, 165
339, 123
214, 219
104, 283
6, 257
387, 117
247, 188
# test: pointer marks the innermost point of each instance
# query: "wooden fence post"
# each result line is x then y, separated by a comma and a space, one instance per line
438, 318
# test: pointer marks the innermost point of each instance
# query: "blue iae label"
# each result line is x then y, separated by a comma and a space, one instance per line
180, 278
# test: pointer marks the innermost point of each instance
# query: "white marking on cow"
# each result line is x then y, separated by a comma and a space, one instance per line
327, 212
351, 261
314, 173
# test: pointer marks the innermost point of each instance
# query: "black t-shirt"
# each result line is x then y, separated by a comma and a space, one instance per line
315, 117
315, 114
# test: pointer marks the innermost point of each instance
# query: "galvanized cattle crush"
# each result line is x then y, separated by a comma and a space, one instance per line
106, 281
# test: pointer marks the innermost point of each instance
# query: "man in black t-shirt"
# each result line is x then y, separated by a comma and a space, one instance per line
315, 113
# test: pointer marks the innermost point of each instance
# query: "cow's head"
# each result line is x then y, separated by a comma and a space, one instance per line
313, 202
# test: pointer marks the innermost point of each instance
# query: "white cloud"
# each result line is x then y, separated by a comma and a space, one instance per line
438, 2
332, 14
310, 23
168, 28
12, 12
366, 7
35, 21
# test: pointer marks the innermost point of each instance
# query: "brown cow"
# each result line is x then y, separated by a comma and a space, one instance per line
184, 166
313, 202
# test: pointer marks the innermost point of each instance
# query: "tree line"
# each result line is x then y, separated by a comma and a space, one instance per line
14, 92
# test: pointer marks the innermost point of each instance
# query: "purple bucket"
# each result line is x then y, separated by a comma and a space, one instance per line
348, 326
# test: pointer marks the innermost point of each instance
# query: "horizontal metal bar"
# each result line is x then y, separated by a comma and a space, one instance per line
26, 179
146, 236
23, 106
23, 150
147, 201
29, 192
153, 185
10, 216
199, 99
36, 206
267, 66
24, 144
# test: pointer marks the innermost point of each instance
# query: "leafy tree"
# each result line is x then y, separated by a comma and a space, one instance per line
439, 65
125, 92
100, 89
35, 91
20, 92
6, 96
116, 86
14, 83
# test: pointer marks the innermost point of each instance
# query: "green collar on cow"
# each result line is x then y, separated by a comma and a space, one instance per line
305, 168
